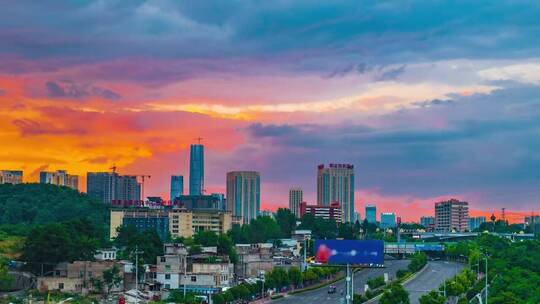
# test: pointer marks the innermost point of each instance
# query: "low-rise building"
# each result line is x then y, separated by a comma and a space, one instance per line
106, 254
77, 277
331, 212
141, 218
171, 266
252, 259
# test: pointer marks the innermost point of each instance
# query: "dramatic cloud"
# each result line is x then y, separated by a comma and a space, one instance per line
428, 100
69, 89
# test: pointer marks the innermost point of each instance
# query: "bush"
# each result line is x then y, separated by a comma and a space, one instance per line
376, 282
402, 273
418, 261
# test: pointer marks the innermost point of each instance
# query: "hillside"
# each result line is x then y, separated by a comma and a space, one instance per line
24, 206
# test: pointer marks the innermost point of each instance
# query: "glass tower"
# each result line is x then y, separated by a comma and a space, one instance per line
371, 214
196, 170
177, 186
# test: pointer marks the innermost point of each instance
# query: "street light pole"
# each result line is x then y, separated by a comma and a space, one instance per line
486, 279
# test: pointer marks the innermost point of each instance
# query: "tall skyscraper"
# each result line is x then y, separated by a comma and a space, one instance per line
335, 183
451, 215
59, 178
371, 214
196, 170
109, 186
295, 199
177, 186
11, 177
244, 194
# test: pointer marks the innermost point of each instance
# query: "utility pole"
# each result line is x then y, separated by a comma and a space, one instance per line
185, 276
486, 280
137, 252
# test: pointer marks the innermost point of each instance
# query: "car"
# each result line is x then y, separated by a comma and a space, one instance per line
332, 289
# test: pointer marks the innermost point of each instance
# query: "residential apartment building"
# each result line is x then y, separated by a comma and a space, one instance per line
371, 213
176, 222
244, 194
335, 183
171, 266
78, 276
109, 186
295, 199
11, 177
330, 212
388, 220
475, 222
254, 260
428, 222
451, 215
59, 178
184, 222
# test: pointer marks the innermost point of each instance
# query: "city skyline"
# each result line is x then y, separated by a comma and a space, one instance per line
328, 84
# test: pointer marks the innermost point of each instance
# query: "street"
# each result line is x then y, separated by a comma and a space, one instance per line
360, 279
435, 273
431, 278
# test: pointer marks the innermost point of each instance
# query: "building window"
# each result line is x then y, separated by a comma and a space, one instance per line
167, 267
60, 286
167, 276
163, 259
193, 279
168, 286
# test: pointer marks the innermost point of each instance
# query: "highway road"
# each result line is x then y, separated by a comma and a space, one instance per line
431, 278
320, 296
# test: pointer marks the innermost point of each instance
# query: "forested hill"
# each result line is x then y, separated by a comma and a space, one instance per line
26, 205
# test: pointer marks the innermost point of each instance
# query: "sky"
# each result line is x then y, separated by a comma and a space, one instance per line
428, 100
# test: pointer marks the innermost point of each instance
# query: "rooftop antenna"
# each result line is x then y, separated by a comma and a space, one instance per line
198, 139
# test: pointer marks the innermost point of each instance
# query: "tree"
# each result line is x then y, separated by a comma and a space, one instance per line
54, 243
286, 221
206, 238
395, 295
218, 298
112, 278
346, 231
295, 276
5, 278
433, 297
24, 206
148, 241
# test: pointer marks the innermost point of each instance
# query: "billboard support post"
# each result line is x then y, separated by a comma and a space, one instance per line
348, 285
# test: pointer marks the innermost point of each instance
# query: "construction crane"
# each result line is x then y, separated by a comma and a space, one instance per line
143, 178
113, 168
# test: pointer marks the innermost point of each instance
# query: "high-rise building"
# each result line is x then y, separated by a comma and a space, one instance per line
109, 186
11, 177
335, 183
428, 222
177, 186
296, 197
127, 188
475, 222
244, 194
101, 185
388, 220
371, 214
451, 215
59, 178
196, 170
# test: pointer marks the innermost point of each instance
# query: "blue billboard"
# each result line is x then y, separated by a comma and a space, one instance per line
343, 252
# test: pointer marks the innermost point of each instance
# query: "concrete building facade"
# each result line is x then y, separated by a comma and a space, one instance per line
244, 194
451, 215
11, 177
59, 178
296, 197
335, 183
